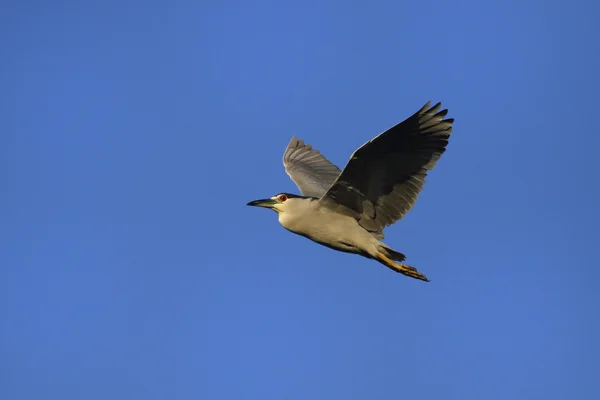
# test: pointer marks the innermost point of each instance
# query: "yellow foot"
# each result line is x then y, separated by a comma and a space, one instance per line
402, 268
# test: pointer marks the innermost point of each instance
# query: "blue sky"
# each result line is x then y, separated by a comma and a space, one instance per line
134, 133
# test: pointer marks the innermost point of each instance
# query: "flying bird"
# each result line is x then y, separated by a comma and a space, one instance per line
348, 210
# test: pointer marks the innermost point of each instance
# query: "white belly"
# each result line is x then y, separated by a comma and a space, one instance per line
330, 229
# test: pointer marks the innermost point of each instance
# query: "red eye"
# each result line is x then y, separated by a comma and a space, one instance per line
282, 198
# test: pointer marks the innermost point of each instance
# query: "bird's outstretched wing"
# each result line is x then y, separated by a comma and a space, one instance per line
310, 171
383, 178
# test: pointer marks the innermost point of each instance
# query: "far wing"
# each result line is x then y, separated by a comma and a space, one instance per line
308, 168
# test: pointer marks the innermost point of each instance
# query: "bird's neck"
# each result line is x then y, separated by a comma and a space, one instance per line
294, 217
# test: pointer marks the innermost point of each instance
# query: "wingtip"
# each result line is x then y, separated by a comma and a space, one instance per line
436, 109
425, 107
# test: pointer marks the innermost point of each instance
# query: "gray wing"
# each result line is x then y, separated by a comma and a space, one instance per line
383, 178
310, 171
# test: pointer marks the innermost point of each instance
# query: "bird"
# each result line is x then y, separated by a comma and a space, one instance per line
347, 210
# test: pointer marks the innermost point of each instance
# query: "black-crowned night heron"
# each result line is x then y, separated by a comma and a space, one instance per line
348, 210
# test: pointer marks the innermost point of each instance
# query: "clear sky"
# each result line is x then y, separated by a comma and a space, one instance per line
133, 133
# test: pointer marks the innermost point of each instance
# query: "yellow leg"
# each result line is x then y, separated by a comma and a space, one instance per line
402, 268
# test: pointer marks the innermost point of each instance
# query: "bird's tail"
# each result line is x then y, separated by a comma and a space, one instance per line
390, 253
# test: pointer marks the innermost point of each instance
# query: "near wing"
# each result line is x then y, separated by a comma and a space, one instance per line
381, 181
310, 171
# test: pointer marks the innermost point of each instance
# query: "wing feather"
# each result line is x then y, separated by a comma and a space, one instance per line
308, 168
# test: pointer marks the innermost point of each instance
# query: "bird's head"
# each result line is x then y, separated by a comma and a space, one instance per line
278, 203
